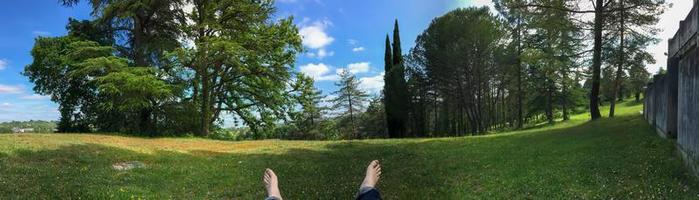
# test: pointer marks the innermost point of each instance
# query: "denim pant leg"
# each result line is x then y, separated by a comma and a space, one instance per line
272, 198
368, 193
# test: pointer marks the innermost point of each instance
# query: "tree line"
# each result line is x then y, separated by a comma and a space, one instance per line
178, 67
534, 61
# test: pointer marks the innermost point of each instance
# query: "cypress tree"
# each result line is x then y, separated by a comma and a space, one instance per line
401, 100
388, 100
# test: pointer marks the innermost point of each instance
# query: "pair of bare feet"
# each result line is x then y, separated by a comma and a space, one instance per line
373, 173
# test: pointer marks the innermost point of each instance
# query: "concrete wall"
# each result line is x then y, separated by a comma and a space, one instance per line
671, 103
660, 105
671, 86
688, 112
648, 104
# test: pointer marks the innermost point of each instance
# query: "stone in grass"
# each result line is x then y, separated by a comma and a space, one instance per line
128, 165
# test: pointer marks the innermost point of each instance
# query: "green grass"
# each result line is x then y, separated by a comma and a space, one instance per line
619, 158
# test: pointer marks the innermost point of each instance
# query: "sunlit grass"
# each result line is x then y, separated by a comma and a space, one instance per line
577, 159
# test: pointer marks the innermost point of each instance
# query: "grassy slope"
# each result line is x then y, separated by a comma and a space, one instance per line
610, 158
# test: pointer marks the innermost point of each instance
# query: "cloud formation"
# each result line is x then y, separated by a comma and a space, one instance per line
34, 97
3, 64
360, 67
358, 49
314, 36
9, 89
319, 72
372, 84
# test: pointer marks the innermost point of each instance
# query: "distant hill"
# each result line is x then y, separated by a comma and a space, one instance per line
31, 126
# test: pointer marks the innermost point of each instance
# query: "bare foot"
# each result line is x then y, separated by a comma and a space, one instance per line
373, 173
272, 184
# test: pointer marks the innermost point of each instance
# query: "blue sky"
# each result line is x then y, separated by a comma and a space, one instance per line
338, 35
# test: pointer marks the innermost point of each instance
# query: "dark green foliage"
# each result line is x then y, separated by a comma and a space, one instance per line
307, 122
96, 91
458, 55
397, 100
373, 123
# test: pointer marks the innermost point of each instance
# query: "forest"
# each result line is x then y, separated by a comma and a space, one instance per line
178, 67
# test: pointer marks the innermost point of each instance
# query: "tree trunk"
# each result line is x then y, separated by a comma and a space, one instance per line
596, 60
205, 104
549, 102
351, 112
620, 67
520, 93
564, 103
638, 96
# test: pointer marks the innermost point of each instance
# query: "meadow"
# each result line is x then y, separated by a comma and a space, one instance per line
617, 158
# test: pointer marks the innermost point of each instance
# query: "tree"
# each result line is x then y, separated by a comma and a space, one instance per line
421, 96
515, 19
142, 32
638, 78
458, 52
552, 53
374, 119
395, 87
241, 62
602, 9
91, 84
310, 115
635, 32
350, 99
388, 102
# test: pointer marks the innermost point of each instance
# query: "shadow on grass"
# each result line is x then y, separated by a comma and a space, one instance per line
632, 102
609, 158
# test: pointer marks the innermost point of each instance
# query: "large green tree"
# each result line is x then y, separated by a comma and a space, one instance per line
458, 52
142, 31
241, 62
92, 86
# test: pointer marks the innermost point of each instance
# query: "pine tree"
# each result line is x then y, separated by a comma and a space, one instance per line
350, 99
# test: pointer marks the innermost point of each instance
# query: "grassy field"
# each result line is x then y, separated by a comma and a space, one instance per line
620, 158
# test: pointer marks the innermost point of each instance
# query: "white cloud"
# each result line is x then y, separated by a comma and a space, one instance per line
352, 42
8, 89
358, 49
322, 53
5, 105
372, 84
34, 97
323, 72
319, 72
360, 67
314, 35
3, 64
41, 33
